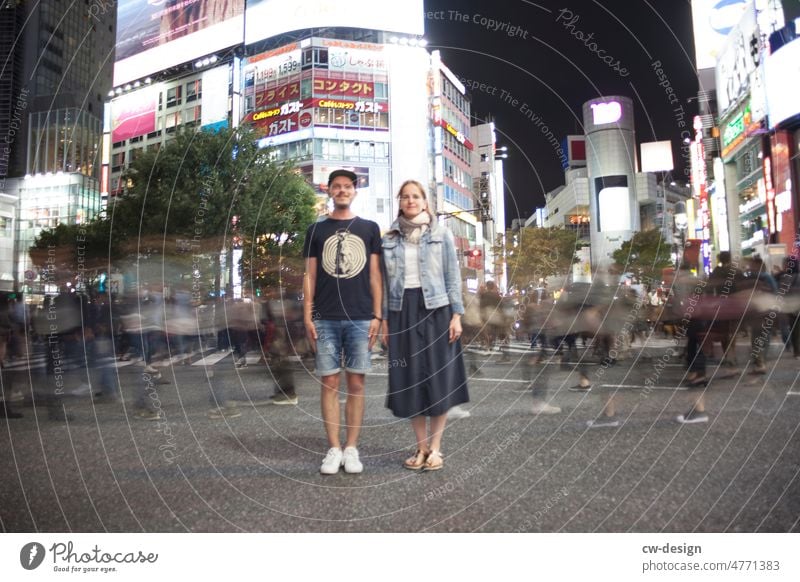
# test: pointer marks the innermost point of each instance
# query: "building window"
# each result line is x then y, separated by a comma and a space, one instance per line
316, 57
117, 161
381, 91
171, 122
193, 90
306, 88
5, 227
174, 96
191, 114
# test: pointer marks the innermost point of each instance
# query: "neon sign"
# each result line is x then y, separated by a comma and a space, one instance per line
603, 113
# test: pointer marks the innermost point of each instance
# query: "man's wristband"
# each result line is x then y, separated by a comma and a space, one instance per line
378, 318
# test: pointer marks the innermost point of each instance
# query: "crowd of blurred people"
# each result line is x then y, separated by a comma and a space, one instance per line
736, 300
81, 336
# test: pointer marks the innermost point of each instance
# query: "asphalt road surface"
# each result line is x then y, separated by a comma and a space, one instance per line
506, 469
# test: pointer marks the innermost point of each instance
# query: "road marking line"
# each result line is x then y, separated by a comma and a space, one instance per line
212, 359
473, 379
634, 386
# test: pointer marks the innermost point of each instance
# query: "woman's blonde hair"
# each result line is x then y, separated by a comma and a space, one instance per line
424, 197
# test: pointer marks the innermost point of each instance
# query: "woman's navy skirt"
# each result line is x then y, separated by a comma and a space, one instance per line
426, 372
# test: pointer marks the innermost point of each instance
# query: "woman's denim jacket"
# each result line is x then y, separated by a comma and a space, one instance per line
439, 271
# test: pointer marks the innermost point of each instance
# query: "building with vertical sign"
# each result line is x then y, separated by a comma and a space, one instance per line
782, 71
487, 166
327, 89
745, 151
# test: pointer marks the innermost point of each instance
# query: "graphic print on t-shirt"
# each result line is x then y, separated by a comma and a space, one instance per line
344, 255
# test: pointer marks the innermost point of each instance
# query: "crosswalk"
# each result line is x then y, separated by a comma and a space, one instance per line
36, 359
36, 362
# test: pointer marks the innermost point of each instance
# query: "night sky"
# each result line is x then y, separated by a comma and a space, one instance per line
543, 57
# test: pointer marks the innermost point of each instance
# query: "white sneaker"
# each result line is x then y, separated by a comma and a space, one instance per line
150, 369
457, 412
350, 461
331, 462
544, 408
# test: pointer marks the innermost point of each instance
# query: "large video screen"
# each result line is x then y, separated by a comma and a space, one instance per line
134, 114
155, 34
782, 68
713, 20
267, 18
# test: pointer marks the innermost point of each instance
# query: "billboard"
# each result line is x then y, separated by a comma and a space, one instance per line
134, 114
713, 20
657, 156
153, 35
782, 70
267, 18
738, 70
214, 113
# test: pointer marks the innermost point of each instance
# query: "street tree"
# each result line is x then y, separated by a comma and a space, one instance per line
645, 255
75, 252
533, 254
204, 193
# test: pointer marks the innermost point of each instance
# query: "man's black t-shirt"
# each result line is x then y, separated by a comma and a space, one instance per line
343, 249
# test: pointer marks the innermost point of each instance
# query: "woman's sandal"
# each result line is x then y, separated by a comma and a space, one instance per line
697, 382
434, 462
416, 462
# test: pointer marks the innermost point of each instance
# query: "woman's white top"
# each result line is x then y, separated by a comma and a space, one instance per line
412, 280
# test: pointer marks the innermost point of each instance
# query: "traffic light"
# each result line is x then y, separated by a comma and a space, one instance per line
473, 258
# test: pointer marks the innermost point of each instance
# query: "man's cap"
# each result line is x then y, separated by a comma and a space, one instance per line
346, 173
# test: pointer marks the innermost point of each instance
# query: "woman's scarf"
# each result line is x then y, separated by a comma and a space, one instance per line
412, 229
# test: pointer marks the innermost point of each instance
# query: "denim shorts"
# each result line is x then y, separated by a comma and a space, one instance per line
337, 338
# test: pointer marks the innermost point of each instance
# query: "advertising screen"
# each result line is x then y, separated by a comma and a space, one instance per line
657, 156
267, 18
214, 114
613, 204
782, 70
155, 34
134, 114
713, 20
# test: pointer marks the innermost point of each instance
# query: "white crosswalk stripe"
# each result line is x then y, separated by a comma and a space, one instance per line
212, 359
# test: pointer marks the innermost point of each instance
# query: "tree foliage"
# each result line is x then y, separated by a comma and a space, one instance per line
67, 250
646, 254
532, 254
199, 195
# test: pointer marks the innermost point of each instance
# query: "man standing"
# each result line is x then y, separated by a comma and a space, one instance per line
341, 313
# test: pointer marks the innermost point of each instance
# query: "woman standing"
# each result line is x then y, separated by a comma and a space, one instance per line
423, 307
